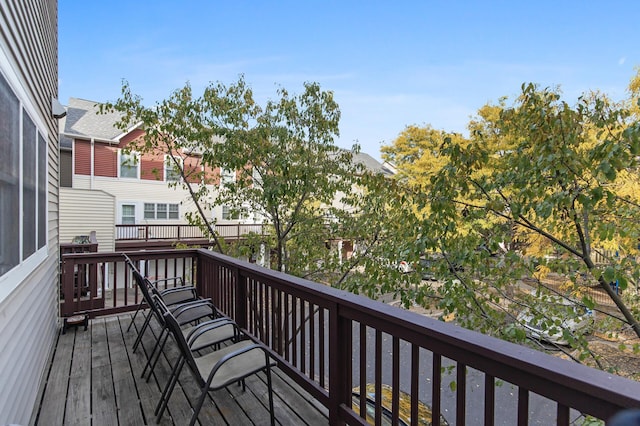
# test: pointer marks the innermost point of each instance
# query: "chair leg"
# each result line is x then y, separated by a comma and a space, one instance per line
135, 315
198, 407
156, 352
166, 393
270, 390
147, 320
153, 366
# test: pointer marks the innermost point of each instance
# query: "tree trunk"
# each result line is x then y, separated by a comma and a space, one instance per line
621, 305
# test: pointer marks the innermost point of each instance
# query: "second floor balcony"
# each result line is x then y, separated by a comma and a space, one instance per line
329, 342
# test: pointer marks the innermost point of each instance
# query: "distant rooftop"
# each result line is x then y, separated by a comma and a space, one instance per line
83, 121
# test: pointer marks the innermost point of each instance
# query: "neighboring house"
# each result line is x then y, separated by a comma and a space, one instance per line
94, 158
28, 201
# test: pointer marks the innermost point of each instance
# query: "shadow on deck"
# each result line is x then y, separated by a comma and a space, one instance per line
94, 378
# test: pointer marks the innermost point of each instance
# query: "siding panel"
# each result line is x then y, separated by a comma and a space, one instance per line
152, 168
105, 160
76, 205
28, 315
82, 151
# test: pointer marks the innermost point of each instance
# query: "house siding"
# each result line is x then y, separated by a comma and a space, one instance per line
29, 313
66, 160
76, 205
138, 192
152, 167
105, 160
82, 154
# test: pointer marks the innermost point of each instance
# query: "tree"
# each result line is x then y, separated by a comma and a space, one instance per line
278, 160
547, 178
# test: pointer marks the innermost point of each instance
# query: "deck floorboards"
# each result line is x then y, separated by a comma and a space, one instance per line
95, 379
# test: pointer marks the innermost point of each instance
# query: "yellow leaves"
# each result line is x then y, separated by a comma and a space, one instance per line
541, 272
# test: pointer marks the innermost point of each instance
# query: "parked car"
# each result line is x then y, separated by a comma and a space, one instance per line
404, 414
405, 267
581, 323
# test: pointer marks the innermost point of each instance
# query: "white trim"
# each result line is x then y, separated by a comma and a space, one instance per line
16, 84
13, 278
167, 161
75, 136
138, 160
126, 132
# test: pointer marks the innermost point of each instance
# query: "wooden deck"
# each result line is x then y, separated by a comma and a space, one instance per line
94, 379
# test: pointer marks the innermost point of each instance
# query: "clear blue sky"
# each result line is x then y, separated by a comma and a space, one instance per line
389, 63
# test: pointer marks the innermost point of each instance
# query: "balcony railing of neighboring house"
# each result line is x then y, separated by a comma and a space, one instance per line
330, 341
179, 232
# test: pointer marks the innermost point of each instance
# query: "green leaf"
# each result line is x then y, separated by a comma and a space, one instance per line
609, 274
453, 386
588, 302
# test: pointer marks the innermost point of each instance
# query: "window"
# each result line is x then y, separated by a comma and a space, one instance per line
161, 211
171, 173
227, 176
23, 182
128, 214
174, 213
149, 211
129, 164
29, 141
9, 177
230, 213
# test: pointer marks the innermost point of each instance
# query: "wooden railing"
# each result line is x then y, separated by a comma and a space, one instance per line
179, 232
330, 341
100, 284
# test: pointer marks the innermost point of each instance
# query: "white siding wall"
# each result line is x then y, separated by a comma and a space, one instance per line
138, 192
83, 211
29, 312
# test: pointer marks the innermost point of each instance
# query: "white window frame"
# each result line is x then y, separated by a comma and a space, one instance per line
176, 211
168, 168
13, 277
227, 176
145, 211
162, 208
241, 214
169, 210
122, 216
136, 159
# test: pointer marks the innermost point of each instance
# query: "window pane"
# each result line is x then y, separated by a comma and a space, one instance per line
128, 165
128, 214
174, 212
9, 182
42, 191
229, 214
170, 173
149, 211
162, 211
29, 140
227, 176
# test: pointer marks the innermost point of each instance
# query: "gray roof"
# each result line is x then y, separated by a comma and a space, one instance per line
371, 163
84, 121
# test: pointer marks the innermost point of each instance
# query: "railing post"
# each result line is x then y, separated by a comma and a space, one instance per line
340, 348
179, 231
240, 298
67, 287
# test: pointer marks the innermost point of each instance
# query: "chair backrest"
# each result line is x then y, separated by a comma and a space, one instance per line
129, 262
143, 286
174, 328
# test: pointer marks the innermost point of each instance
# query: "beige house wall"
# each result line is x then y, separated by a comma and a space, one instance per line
83, 211
138, 192
29, 292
